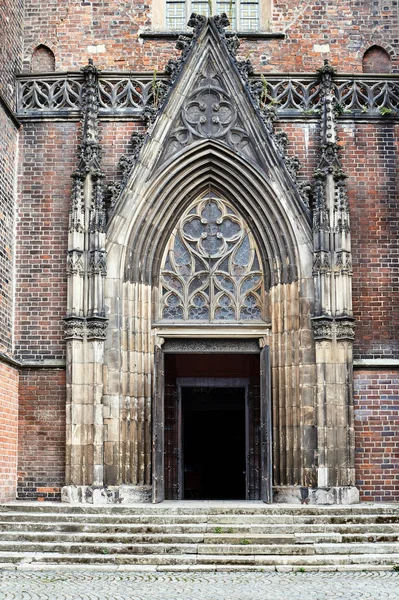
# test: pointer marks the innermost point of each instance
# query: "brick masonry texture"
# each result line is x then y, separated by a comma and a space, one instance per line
377, 435
8, 167
11, 31
41, 459
370, 158
8, 431
48, 158
342, 31
11, 25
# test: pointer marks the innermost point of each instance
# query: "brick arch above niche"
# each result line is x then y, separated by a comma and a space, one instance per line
376, 60
43, 60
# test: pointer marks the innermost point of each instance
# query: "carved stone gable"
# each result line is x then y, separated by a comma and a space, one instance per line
209, 112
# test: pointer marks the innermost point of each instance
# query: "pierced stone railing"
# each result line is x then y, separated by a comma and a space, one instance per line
127, 94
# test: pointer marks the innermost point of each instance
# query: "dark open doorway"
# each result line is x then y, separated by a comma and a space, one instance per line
213, 428
229, 452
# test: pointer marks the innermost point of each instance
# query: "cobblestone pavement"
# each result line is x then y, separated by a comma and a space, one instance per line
104, 585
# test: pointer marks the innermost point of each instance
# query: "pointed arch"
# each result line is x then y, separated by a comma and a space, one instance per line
43, 60
148, 217
144, 219
376, 60
255, 181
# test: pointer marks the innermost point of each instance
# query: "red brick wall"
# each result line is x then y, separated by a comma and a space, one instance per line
8, 172
8, 431
48, 157
370, 159
41, 460
377, 434
11, 45
340, 31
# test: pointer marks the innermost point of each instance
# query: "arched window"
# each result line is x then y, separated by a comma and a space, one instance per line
43, 60
376, 60
211, 269
244, 15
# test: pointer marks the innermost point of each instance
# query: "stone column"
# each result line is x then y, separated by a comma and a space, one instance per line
333, 327
85, 322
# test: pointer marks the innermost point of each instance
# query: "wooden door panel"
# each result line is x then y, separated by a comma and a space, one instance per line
158, 443
265, 427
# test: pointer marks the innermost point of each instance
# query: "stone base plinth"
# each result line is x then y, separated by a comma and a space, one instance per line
119, 494
320, 495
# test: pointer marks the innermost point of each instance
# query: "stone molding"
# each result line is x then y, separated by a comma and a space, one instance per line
328, 329
208, 346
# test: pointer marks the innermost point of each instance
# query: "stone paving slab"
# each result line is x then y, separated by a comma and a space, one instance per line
96, 584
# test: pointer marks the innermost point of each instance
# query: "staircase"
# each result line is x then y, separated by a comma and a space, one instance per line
200, 536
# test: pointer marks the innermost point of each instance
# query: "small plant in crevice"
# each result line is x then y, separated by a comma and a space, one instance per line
244, 542
156, 89
310, 111
384, 111
217, 530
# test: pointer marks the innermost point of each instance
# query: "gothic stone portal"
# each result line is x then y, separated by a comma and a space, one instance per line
210, 238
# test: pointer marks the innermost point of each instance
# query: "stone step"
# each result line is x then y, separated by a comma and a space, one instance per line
173, 528
154, 548
202, 548
204, 561
362, 529
178, 538
185, 536
211, 520
202, 508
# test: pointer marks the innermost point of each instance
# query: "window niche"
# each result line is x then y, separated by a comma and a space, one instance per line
43, 60
376, 60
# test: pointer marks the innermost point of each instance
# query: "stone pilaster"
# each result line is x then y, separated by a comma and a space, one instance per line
333, 327
85, 322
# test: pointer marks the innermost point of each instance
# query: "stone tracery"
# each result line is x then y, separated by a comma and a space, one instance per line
211, 268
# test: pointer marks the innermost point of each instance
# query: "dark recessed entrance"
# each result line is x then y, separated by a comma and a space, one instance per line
210, 427
213, 430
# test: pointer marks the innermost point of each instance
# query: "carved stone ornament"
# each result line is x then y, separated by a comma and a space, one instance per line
323, 329
208, 346
98, 263
113, 191
75, 262
96, 329
209, 112
345, 330
127, 161
211, 269
321, 263
343, 262
74, 328
328, 328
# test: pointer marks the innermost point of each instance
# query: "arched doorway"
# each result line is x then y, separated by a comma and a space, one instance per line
212, 416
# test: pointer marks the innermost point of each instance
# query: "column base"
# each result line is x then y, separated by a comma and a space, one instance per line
95, 494
319, 496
